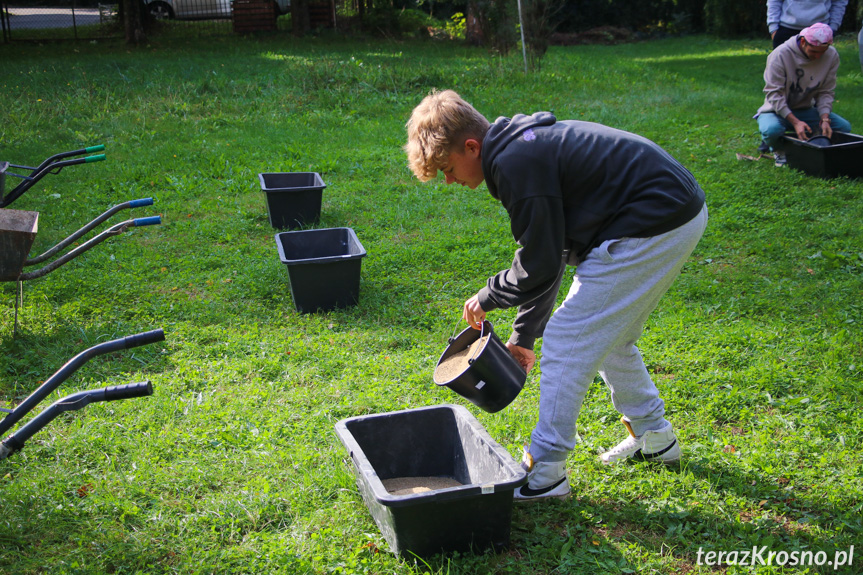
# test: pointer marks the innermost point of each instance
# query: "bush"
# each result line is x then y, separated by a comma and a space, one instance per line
398, 23
497, 22
735, 18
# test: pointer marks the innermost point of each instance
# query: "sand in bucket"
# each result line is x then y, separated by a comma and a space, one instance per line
479, 367
457, 363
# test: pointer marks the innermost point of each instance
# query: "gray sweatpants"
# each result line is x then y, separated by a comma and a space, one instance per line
614, 291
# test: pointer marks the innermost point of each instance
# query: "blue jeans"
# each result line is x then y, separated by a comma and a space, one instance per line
772, 127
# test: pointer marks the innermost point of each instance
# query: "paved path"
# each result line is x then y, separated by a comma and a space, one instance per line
32, 18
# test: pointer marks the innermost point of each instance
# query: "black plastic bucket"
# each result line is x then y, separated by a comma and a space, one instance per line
493, 377
293, 198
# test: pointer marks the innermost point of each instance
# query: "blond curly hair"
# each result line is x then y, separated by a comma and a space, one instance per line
437, 126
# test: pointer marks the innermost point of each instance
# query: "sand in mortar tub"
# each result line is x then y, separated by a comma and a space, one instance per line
408, 485
456, 364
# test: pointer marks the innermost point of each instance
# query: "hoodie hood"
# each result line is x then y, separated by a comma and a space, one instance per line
505, 130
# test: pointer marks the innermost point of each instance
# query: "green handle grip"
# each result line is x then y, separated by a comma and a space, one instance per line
91, 149
97, 158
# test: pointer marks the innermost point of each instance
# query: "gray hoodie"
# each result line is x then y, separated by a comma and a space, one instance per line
792, 81
567, 187
798, 14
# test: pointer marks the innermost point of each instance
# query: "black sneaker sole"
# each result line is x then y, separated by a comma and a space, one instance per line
528, 494
641, 456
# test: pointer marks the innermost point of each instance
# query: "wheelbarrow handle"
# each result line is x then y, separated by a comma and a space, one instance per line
144, 338
74, 402
128, 391
151, 221
55, 167
69, 154
90, 226
141, 203
53, 382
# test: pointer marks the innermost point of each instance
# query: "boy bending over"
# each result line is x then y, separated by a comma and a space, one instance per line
611, 203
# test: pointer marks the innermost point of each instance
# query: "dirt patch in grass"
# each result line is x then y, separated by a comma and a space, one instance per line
602, 35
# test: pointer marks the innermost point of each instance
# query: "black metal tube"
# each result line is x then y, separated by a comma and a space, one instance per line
15, 442
68, 241
37, 175
71, 367
53, 159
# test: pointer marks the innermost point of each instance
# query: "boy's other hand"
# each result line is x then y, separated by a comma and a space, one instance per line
473, 314
525, 357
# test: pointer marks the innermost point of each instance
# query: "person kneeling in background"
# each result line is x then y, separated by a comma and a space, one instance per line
799, 86
614, 204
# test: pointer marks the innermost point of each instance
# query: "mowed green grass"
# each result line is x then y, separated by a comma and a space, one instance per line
233, 466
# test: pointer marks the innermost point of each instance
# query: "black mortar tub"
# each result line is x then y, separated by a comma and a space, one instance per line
841, 156
437, 441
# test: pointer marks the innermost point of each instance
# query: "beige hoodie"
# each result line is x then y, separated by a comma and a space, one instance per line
792, 81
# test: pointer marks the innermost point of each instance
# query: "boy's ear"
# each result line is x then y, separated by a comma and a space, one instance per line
472, 147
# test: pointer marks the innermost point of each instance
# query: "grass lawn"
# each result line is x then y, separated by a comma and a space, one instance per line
233, 466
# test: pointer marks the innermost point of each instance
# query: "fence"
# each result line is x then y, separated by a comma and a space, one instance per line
25, 20
31, 20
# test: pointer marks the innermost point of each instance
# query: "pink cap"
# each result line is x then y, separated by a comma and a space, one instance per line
818, 34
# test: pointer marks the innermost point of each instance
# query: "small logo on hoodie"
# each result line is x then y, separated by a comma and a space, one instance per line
529, 136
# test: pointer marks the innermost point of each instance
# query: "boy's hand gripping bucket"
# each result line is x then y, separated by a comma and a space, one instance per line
478, 366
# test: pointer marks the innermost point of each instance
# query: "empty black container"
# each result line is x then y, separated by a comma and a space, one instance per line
437, 441
843, 157
293, 198
323, 267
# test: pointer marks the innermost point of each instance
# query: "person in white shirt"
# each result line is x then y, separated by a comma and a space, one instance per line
786, 18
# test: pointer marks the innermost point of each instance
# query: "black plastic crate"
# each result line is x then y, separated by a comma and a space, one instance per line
293, 198
323, 267
843, 157
443, 441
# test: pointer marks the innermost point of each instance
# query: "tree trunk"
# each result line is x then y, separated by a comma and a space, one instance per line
473, 30
133, 21
300, 22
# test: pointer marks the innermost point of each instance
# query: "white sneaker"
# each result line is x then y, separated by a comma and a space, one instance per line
546, 480
661, 445
779, 159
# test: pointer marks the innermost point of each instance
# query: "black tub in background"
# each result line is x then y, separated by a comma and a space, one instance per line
293, 198
323, 267
842, 157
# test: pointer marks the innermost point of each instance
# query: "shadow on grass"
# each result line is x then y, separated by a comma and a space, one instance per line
587, 533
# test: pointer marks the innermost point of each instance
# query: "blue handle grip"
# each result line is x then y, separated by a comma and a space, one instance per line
140, 203
151, 221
